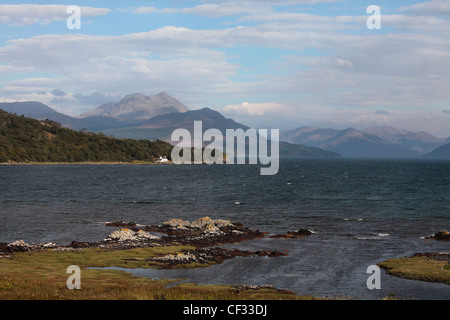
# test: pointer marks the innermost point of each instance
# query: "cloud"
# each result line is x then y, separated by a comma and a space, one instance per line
27, 14
258, 109
219, 9
58, 93
383, 112
317, 68
434, 8
446, 111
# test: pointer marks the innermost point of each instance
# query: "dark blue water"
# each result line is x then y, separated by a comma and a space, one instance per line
363, 212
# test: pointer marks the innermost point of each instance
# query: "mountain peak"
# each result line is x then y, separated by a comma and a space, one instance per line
138, 107
163, 94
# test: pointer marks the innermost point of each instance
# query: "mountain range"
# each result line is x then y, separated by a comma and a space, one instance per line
138, 116
148, 117
373, 142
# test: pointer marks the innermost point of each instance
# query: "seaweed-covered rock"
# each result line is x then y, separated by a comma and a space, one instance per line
301, 233
441, 235
120, 224
209, 256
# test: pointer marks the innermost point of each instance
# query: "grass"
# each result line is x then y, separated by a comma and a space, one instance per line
418, 268
42, 276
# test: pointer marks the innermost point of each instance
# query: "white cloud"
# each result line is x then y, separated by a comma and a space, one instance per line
436, 7
259, 109
218, 9
26, 14
330, 74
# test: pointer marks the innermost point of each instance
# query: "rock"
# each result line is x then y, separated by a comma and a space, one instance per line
21, 246
207, 256
176, 223
120, 224
125, 234
243, 287
80, 244
301, 233
438, 256
204, 224
441, 235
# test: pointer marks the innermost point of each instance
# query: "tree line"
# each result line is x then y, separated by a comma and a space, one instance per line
25, 139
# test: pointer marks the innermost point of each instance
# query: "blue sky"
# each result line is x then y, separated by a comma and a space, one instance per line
268, 64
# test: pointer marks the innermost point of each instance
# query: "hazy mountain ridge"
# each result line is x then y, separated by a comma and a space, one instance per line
373, 142
443, 152
162, 126
40, 111
421, 141
138, 116
126, 123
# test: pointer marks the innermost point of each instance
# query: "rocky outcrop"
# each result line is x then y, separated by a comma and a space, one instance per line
438, 256
125, 234
205, 234
120, 224
207, 256
294, 234
441, 235
21, 246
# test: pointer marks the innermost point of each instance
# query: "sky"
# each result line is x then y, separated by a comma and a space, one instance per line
267, 64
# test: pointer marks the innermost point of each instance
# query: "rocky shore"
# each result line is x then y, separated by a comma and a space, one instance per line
205, 234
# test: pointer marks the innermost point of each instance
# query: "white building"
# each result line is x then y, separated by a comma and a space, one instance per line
162, 159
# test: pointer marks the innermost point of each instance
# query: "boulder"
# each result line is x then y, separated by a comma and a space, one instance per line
125, 234
301, 233
441, 235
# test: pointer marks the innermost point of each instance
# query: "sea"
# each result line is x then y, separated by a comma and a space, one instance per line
362, 212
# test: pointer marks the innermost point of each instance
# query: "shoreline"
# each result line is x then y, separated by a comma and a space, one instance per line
37, 271
35, 163
40, 269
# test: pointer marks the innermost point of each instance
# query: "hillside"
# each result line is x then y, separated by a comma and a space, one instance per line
442, 152
24, 139
40, 111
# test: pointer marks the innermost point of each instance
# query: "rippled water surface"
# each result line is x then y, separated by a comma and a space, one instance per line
362, 212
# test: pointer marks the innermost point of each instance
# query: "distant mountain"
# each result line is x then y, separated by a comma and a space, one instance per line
40, 111
442, 152
422, 142
37, 110
297, 150
348, 143
163, 126
138, 107
130, 110
210, 119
